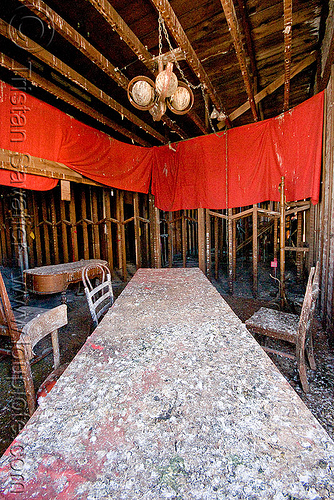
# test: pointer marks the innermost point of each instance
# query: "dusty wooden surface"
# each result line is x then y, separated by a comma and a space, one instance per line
171, 397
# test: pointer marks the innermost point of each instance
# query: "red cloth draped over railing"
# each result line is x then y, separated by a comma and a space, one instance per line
29, 125
229, 169
251, 159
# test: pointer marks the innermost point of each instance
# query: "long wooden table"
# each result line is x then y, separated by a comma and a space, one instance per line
171, 397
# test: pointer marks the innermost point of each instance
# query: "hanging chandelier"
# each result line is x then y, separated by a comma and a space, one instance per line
166, 91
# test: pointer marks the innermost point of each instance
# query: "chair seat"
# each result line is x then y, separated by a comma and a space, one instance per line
276, 324
24, 314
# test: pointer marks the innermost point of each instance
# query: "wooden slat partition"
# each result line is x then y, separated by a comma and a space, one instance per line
84, 225
107, 211
64, 226
54, 230
73, 220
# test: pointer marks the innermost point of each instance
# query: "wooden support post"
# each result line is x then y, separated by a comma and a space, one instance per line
84, 223
216, 230
201, 239
137, 229
255, 250
178, 239
275, 233
170, 239
121, 234
230, 251
73, 220
311, 236
46, 232
96, 230
155, 233
64, 230
30, 234
54, 229
107, 213
146, 231
299, 255
234, 245
184, 238
282, 243
37, 232
208, 241
4, 253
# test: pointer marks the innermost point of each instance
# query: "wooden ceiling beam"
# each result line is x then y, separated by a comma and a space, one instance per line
287, 5
249, 40
35, 79
175, 28
235, 31
55, 63
74, 38
273, 86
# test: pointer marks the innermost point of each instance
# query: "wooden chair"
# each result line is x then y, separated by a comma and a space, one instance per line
12, 322
291, 327
100, 298
47, 323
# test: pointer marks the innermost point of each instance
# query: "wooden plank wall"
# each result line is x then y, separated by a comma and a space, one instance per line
323, 217
128, 231
97, 223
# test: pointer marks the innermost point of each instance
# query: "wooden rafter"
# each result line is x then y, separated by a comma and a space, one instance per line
287, 4
249, 41
273, 86
174, 26
235, 31
71, 74
35, 79
126, 34
86, 48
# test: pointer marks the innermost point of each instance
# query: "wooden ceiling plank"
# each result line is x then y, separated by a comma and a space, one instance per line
118, 24
35, 79
273, 86
235, 31
175, 28
75, 77
287, 5
86, 48
42, 167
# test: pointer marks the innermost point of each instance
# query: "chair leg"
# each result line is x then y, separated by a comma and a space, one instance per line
300, 354
28, 380
310, 353
55, 346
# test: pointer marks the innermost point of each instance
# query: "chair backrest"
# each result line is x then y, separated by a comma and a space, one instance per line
309, 303
7, 319
34, 331
100, 298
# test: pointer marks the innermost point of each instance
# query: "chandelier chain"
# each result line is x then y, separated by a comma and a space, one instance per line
176, 62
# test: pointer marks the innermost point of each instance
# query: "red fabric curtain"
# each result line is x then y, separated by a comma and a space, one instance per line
230, 169
251, 159
29, 125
